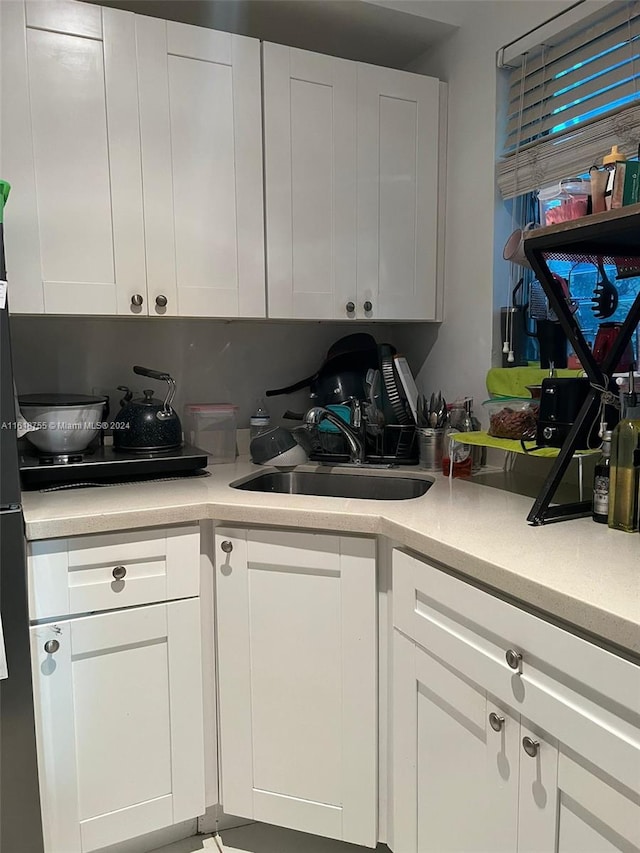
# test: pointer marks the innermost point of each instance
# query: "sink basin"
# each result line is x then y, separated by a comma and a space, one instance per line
367, 486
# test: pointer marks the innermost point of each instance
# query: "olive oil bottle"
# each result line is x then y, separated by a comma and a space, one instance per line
625, 468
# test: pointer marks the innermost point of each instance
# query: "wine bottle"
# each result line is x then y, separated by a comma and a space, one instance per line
601, 482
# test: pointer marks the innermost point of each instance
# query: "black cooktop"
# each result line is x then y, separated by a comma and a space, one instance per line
103, 465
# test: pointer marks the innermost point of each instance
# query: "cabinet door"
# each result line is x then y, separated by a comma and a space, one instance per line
297, 664
71, 150
201, 132
400, 175
594, 813
568, 805
455, 779
310, 167
119, 724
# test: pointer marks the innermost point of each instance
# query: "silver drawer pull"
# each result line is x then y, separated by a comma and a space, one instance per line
531, 747
514, 659
227, 546
136, 300
119, 573
496, 721
51, 646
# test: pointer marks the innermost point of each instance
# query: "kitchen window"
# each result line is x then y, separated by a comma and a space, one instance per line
569, 100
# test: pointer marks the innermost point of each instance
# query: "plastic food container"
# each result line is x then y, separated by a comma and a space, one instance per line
512, 417
212, 428
564, 201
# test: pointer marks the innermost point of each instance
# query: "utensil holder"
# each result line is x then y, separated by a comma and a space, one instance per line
431, 446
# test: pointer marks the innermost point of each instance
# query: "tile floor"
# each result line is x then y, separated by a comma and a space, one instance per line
262, 838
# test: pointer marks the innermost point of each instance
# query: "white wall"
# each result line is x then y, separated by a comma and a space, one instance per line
477, 222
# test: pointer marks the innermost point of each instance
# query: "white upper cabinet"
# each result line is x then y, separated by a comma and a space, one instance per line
310, 175
353, 173
134, 150
201, 135
70, 149
134, 147
400, 180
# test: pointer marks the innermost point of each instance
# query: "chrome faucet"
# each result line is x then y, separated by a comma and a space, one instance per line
317, 414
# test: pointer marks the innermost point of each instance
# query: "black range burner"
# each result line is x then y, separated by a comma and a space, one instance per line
104, 464
61, 459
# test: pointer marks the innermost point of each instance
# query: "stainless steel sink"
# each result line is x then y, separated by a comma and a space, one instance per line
336, 485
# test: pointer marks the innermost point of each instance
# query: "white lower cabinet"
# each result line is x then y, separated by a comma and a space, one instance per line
118, 694
540, 756
296, 616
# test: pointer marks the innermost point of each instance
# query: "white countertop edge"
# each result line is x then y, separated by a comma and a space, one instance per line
493, 546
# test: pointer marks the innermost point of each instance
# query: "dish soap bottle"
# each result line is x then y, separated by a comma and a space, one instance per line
601, 480
478, 454
456, 455
623, 483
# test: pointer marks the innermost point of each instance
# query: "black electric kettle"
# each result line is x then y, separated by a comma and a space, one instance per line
147, 424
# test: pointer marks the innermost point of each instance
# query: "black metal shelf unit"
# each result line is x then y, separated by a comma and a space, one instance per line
612, 237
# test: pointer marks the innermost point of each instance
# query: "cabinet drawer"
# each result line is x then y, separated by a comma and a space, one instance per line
113, 570
580, 693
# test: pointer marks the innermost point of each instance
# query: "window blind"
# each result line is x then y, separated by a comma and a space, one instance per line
571, 99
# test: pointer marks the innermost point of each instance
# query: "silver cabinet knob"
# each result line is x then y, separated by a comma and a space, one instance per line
227, 546
137, 300
514, 659
531, 747
496, 721
51, 647
368, 306
119, 573
351, 307
161, 301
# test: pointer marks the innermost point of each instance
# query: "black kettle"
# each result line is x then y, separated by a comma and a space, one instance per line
146, 424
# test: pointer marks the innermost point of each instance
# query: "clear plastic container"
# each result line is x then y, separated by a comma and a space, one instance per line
512, 417
212, 428
564, 201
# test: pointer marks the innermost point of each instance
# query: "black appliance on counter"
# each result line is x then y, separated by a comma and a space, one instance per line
102, 464
20, 818
147, 445
561, 399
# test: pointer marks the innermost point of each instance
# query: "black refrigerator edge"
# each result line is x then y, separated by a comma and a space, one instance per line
20, 817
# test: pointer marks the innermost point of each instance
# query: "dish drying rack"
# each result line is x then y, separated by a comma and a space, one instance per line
389, 445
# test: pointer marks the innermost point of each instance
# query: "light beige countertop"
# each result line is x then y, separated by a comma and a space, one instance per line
580, 573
